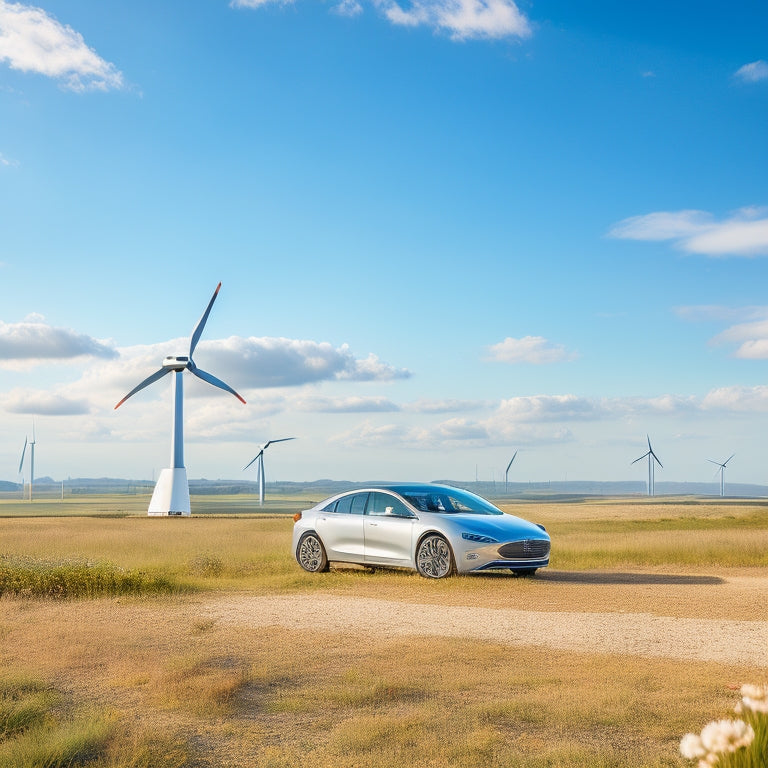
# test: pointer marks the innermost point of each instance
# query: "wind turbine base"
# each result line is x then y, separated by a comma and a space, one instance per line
171, 494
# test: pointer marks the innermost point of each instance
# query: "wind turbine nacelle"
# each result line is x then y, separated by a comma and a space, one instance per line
176, 363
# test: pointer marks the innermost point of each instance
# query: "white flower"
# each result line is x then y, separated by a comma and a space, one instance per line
754, 697
723, 736
691, 746
754, 691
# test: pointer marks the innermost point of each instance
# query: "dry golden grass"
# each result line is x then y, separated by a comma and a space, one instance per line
221, 695
241, 697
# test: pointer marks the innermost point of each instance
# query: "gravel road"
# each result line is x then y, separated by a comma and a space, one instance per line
640, 634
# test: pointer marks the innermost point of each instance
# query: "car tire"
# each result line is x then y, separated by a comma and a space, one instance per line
310, 553
434, 559
525, 573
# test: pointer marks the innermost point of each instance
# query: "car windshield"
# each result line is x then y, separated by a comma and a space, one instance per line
448, 501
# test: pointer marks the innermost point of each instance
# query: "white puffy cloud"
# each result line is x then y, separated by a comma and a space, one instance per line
33, 41
745, 233
280, 362
737, 399
33, 342
352, 404
751, 338
753, 72
446, 406
460, 19
542, 408
348, 8
43, 403
530, 349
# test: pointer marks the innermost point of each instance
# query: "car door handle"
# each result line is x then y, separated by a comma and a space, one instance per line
372, 525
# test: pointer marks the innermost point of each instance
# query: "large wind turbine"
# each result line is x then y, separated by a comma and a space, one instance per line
260, 458
722, 472
506, 473
652, 457
171, 494
31, 444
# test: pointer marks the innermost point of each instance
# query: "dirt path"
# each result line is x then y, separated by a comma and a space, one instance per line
640, 634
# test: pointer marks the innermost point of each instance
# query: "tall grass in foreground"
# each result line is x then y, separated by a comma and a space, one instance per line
39, 730
28, 577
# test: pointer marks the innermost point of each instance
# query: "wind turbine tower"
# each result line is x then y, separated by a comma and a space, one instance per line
506, 473
31, 444
171, 494
652, 457
260, 458
722, 472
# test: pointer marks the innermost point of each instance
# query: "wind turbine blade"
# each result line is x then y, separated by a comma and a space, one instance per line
149, 380
728, 459
211, 379
23, 451
510, 463
198, 332
712, 461
253, 459
640, 458
280, 440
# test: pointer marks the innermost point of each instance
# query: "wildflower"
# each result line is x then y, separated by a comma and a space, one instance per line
754, 698
723, 736
691, 747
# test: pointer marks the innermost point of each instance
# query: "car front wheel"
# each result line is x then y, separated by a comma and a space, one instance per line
524, 572
434, 559
311, 554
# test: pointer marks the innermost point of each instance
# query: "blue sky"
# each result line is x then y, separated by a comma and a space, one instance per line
446, 231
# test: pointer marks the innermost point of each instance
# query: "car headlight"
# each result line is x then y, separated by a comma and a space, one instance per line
478, 538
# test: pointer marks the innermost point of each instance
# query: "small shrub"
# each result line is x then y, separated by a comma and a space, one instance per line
206, 565
26, 577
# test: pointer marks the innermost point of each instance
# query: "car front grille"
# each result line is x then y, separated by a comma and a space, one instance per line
527, 549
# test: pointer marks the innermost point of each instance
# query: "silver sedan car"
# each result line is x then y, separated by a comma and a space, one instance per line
436, 530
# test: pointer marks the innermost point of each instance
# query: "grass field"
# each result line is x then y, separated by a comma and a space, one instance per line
141, 679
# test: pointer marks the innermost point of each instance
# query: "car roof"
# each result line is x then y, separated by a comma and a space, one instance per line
408, 487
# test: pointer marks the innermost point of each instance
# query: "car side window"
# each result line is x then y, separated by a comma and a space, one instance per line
330, 507
343, 505
358, 503
384, 504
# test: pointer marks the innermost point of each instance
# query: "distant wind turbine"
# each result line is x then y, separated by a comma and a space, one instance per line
260, 458
652, 457
506, 473
31, 444
722, 472
171, 494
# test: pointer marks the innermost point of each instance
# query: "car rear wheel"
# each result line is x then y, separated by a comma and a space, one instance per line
434, 559
311, 554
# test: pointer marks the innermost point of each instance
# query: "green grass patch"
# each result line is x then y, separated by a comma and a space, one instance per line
27, 577
40, 729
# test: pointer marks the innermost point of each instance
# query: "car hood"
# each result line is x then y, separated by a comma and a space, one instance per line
499, 527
